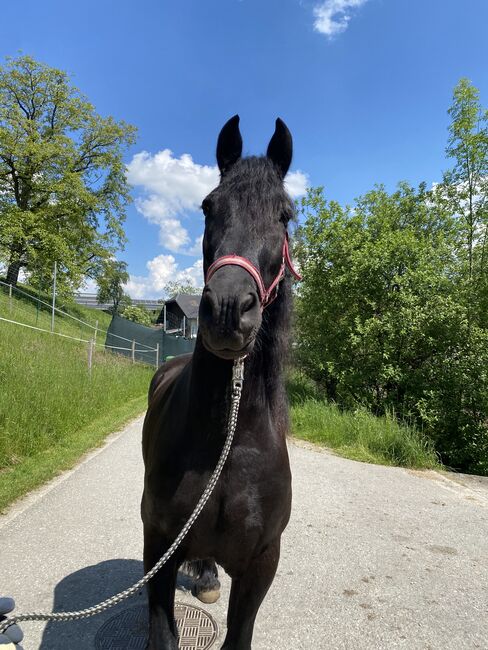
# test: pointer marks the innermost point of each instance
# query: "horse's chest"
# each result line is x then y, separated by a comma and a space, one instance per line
249, 504
236, 506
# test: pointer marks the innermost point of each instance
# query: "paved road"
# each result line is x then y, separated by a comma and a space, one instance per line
374, 557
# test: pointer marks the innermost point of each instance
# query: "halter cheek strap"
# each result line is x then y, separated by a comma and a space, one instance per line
266, 296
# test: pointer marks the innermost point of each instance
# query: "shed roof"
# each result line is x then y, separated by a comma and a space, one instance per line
188, 303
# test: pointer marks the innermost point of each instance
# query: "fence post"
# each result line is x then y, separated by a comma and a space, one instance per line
38, 309
54, 295
10, 298
133, 350
164, 317
157, 355
90, 355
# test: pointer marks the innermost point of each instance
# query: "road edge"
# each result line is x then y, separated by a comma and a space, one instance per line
31, 498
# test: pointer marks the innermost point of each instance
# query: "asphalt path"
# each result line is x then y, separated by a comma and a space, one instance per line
374, 557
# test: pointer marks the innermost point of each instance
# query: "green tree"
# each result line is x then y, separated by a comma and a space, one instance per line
111, 281
465, 194
366, 270
63, 189
172, 289
137, 315
380, 321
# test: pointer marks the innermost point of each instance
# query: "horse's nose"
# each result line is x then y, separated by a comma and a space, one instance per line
229, 318
233, 312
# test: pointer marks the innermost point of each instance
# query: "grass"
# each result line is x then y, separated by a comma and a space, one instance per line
33, 471
357, 434
51, 409
25, 307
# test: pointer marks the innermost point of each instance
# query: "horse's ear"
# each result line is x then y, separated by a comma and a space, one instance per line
229, 144
280, 148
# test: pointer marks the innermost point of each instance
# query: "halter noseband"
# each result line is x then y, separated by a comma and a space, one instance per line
266, 296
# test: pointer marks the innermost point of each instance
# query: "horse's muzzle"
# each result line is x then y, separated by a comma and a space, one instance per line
230, 315
229, 353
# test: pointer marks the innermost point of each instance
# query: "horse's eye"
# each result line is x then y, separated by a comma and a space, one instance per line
206, 207
285, 216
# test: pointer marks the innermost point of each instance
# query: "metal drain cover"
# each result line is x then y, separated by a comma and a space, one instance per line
129, 629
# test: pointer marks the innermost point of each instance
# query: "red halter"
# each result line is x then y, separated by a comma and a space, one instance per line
266, 296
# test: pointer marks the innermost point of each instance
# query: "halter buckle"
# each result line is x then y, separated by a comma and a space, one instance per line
238, 373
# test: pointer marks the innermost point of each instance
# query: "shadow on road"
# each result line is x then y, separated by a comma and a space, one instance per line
90, 586
85, 588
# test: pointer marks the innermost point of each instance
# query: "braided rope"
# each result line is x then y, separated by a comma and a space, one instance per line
237, 381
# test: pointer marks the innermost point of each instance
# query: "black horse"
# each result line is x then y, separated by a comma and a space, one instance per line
245, 310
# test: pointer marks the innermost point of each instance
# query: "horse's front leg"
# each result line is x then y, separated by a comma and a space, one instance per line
161, 593
247, 594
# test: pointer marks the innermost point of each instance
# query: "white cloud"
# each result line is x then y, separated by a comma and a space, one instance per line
296, 184
172, 235
173, 187
332, 16
179, 182
196, 249
163, 269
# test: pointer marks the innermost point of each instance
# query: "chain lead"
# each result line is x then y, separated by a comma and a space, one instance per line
237, 382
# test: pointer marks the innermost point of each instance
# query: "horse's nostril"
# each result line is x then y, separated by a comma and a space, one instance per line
248, 302
208, 301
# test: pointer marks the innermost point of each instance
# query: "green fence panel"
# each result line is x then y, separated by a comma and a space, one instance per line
122, 333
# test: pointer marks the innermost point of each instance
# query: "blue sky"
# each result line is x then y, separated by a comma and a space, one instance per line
364, 86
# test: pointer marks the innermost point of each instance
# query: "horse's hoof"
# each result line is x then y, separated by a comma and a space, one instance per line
208, 597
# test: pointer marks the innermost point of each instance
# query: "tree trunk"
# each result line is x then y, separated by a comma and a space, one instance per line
13, 272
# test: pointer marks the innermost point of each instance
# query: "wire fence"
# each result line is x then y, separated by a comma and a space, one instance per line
21, 308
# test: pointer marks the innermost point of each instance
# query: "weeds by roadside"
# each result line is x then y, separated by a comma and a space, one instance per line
357, 434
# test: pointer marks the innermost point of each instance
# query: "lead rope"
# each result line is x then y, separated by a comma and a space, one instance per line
237, 381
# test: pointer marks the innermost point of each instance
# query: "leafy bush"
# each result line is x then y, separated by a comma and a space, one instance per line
137, 315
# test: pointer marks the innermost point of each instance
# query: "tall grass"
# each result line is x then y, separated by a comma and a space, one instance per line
52, 409
357, 434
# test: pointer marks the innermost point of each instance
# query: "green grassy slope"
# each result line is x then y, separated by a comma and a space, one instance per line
51, 408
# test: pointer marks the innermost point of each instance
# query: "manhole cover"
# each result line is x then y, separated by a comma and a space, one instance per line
129, 629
